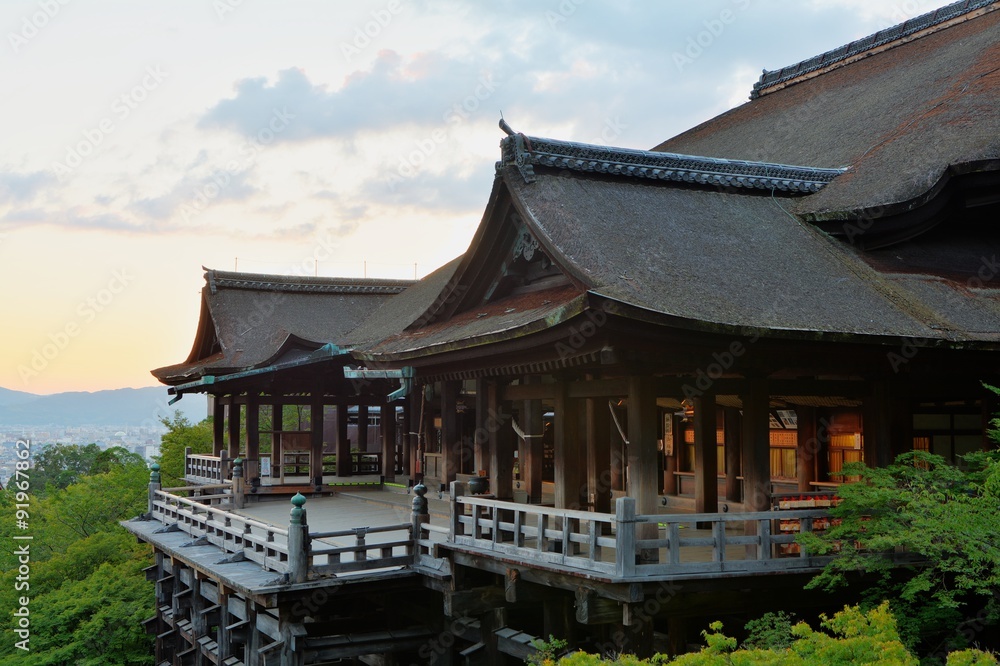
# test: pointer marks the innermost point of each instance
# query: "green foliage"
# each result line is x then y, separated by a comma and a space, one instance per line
851, 637
59, 465
87, 592
971, 658
180, 435
547, 651
770, 631
87, 605
944, 516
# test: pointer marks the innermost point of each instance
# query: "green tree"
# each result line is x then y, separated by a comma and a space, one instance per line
86, 605
852, 636
944, 517
180, 435
59, 465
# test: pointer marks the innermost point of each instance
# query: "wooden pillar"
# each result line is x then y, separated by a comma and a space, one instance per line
362, 445
532, 454
756, 446
316, 438
481, 443
277, 425
706, 455
345, 467
251, 470
222, 637
733, 433
234, 428
558, 616
672, 442
406, 464
876, 425
387, 417
619, 457
451, 444
637, 636
822, 444
218, 425
676, 635
599, 453
806, 447
568, 472
642, 435
901, 421
501, 444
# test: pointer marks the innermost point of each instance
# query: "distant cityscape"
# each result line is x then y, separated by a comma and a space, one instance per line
129, 418
142, 440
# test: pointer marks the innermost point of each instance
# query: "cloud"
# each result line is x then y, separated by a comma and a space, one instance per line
419, 90
198, 191
21, 188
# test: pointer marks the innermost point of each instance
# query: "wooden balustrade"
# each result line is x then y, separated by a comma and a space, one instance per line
231, 532
620, 546
200, 468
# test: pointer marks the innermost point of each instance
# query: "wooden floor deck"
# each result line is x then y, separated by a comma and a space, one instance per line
373, 508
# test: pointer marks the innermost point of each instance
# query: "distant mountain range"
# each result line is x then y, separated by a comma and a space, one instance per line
126, 407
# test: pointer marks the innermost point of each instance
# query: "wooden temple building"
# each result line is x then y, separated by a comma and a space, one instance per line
644, 352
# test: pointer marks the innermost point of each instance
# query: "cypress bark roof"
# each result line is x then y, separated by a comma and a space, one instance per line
252, 320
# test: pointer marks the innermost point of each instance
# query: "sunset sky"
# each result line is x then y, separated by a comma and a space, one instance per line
144, 140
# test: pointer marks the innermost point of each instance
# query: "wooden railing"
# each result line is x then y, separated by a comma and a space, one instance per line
533, 533
200, 468
396, 552
293, 551
264, 544
627, 545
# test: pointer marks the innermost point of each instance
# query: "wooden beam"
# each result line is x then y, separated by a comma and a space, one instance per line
481, 443
876, 415
316, 441
252, 471
642, 469
756, 454
568, 474
673, 442
362, 444
410, 436
532, 391
706, 457
387, 419
806, 447
473, 602
501, 442
598, 435
592, 609
344, 464
234, 431
451, 444
277, 425
218, 425
532, 454
599, 388
733, 430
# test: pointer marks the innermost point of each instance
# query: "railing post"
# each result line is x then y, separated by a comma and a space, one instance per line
223, 465
154, 485
298, 541
238, 489
187, 461
457, 509
361, 554
419, 516
625, 551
